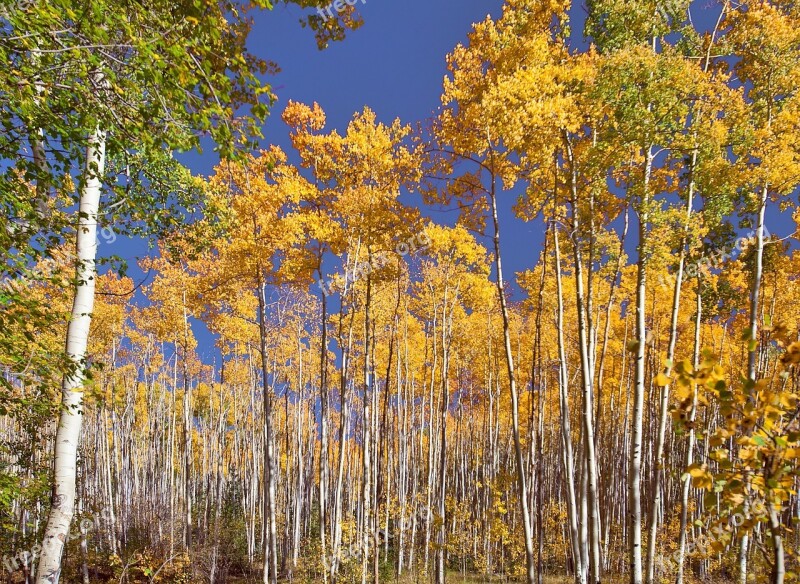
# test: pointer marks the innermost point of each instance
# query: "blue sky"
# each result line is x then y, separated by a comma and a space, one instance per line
395, 63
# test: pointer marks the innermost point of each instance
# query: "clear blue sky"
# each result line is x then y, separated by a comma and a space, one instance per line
394, 63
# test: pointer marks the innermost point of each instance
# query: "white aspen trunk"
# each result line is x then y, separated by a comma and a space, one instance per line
538, 385
298, 498
687, 481
84, 543
587, 369
752, 369
172, 471
336, 517
442, 535
270, 574
584, 510
416, 456
779, 566
752, 353
566, 429
431, 474
366, 425
375, 464
664, 411
187, 433
109, 517
403, 447
635, 471
219, 480
71, 417
530, 560
323, 450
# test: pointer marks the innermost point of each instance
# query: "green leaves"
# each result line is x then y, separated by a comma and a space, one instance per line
614, 24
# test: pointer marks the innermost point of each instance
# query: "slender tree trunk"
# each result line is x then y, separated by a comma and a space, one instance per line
635, 472
530, 559
442, 535
84, 543
431, 468
270, 575
404, 442
71, 417
366, 444
664, 411
587, 371
776, 530
187, 433
566, 426
538, 384
336, 519
752, 353
687, 481
758, 271
323, 450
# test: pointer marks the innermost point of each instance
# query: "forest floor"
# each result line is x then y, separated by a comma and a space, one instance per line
459, 578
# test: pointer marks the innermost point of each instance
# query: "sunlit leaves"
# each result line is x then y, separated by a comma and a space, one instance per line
757, 448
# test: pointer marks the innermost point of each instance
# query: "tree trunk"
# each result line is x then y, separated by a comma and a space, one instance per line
187, 433
270, 575
566, 426
587, 370
530, 559
336, 518
664, 412
441, 540
323, 450
752, 353
687, 481
71, 417
775, 527
635, 472
366, 445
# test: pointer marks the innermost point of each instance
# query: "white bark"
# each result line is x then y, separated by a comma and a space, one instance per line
664, 412
530, 576
566, 430
752, 368
71, 418
779, 567
270, 573
635, 472
442, 535
324, 471
366, 490
687, 481
593, 565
